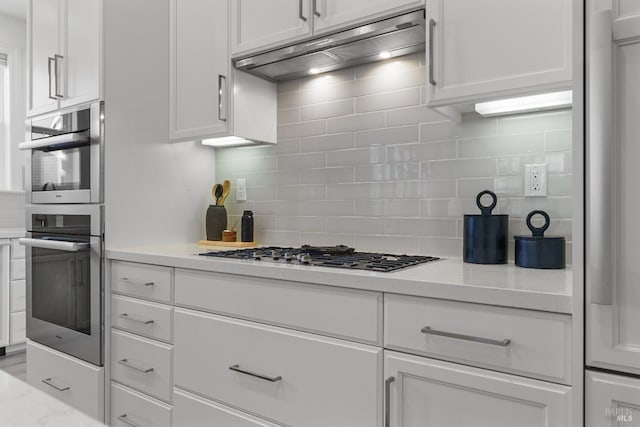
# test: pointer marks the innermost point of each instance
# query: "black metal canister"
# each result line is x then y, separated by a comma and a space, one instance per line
485, 235
538, 251
246, 231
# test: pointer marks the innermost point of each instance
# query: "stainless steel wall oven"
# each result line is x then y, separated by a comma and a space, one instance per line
65, 155
64, 255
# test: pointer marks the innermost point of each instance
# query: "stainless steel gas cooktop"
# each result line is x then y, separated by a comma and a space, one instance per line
326, 256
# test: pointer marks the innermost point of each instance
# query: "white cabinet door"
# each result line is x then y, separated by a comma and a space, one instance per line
82, 52
43, 33
4, 292
497, 48
258, 24
332, 15
430, 393
612, 400
613, 318
199, 68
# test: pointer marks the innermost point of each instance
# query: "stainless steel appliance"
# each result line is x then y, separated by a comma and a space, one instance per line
64, 248
65, 155
398, 35
340, 256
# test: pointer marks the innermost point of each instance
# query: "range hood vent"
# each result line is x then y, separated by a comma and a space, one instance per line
396, 36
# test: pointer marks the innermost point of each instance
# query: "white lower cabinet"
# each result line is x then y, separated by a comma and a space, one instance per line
190, 410
129, 408
18, 329
611, 400
424, 392
293, 378
73, 381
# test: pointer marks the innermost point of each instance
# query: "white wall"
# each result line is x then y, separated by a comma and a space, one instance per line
13, 38
361, 161
155, 192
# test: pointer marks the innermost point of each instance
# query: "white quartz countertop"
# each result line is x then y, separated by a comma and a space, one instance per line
10, 233
25, 405
452, 279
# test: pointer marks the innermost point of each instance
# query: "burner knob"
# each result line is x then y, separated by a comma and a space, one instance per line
288, 256
275, 254
304, 258
257, 255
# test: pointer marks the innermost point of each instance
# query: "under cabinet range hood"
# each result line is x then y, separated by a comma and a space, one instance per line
386, 38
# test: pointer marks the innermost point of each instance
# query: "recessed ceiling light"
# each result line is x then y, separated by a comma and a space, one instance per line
385, 55
314, 71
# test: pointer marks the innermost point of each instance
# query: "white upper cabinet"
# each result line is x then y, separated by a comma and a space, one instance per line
208, 98
64, 53
258, 25
478, 50
332, 15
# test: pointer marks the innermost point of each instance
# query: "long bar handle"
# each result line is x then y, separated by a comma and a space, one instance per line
57, 58
387, 401
125, 419
57, 245
125, 362
135, 282
315, 8
50, 383
237, 368
67, 138
50, 60
502, 343
432, 26
136, 319
300, 12
600, 175
222, 89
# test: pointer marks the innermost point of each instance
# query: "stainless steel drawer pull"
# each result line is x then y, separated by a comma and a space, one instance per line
300, 14
125, 362
49, 382
137, 319
315, 8
134, 282
255, 374
503, 343
387, 401
432, 26
125, 419
50, 60
56, 61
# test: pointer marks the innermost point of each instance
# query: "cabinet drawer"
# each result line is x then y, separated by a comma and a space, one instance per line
539, 342
142, 364
17, 327
73, 381
17, 250
142, 317
427, 392
306, 379
142, 280
193, 411
326, 310
18, 296
18, 268
128, 407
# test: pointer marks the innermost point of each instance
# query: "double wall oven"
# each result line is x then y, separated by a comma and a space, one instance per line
65, 232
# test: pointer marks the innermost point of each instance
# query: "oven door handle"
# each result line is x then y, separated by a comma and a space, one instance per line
54, 141
58, 245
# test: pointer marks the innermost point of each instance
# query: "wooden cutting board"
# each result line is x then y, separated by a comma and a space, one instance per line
227, 244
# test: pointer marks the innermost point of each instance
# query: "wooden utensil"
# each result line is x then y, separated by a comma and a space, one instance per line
226, 189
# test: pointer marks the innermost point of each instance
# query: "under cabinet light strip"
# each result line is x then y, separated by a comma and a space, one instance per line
525, 104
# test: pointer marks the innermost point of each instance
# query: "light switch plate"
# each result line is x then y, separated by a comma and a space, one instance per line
241, 189
535, 180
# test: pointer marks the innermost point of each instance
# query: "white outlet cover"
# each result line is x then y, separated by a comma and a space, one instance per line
241, 189
535, 180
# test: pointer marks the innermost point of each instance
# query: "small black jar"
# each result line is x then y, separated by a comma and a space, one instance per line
538, 251
485, 235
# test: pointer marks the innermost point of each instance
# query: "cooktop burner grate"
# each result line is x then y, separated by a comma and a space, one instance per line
334, 256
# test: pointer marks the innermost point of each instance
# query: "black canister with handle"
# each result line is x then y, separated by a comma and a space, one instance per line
246, 229
485, 235
538, 251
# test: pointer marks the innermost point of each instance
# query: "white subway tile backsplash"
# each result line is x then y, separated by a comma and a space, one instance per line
361, 161
388, 136
388, 100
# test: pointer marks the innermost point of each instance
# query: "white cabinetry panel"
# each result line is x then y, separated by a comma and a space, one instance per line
612, 400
